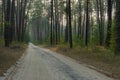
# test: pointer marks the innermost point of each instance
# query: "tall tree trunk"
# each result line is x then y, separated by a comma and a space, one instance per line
23, 20
3, 21
87, 23
7, 24
12, 20
51, 31
117, 28
67, 23
109, 14
101, 29
56, 19
79, 19
18, 20
70, 25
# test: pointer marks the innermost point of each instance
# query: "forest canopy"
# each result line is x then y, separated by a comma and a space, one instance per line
71, 22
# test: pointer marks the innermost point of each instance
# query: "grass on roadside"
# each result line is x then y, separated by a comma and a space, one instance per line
98, 56
9, 56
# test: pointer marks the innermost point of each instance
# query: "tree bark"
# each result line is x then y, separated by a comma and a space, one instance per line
117, 28
70, 25
109, 14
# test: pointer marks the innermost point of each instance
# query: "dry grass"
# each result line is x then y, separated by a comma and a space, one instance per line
104, 60
9, 56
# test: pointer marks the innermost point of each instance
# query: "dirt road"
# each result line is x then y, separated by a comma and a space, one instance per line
42, 64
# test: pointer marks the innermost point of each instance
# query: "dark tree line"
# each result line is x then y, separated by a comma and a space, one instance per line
14, 20
70, 22
82, 22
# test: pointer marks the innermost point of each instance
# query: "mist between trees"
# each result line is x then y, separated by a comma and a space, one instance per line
53, 22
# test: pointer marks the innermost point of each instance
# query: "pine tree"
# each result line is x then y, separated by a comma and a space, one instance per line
117, 28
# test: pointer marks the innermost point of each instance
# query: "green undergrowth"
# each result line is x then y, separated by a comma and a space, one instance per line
16, 44
97, 56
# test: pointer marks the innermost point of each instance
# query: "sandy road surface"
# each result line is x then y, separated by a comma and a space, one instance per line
42, 64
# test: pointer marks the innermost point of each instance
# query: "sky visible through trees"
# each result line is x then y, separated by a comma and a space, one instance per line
54, 22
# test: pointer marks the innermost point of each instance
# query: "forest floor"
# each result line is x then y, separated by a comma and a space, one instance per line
9, 56
98, 58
